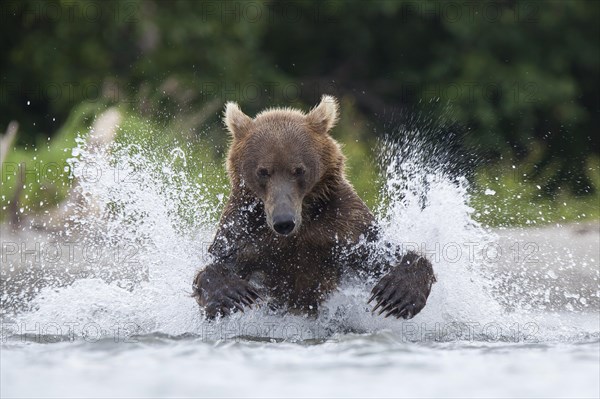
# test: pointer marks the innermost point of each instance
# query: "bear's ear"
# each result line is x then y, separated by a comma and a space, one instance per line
237, 122
325, 115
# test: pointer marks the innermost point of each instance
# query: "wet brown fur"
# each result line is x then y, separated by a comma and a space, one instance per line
300, 270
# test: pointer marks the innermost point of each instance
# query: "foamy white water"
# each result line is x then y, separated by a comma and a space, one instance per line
117, 319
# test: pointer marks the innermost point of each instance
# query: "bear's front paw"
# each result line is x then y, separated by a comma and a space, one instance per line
403, 292
222, 295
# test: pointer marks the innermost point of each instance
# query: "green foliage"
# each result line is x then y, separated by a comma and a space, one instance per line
37, 177
504, 195
520, 77
44, 173
358, 147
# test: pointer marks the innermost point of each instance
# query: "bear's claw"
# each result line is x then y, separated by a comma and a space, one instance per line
223, 295
403, 291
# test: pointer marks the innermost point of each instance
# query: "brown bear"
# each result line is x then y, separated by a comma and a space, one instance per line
293, 226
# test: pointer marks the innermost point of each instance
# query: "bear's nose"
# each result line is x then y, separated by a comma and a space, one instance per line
284, 224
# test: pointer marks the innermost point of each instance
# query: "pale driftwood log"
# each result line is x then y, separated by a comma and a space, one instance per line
101, 135
104, 129
7, 139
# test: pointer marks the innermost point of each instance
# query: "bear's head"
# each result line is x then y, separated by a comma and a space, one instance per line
286, 158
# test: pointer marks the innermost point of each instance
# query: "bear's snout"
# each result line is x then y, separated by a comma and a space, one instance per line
284, 224
283, 206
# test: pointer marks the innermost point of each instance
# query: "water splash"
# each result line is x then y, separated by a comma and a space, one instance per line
157, 221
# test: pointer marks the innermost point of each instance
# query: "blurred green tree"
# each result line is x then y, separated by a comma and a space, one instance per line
521, 75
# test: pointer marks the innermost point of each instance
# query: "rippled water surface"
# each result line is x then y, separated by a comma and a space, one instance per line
347, 365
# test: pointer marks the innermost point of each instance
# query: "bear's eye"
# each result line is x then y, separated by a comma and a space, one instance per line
263, 172
299, 171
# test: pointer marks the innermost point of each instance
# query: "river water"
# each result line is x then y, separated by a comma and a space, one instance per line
97, 303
